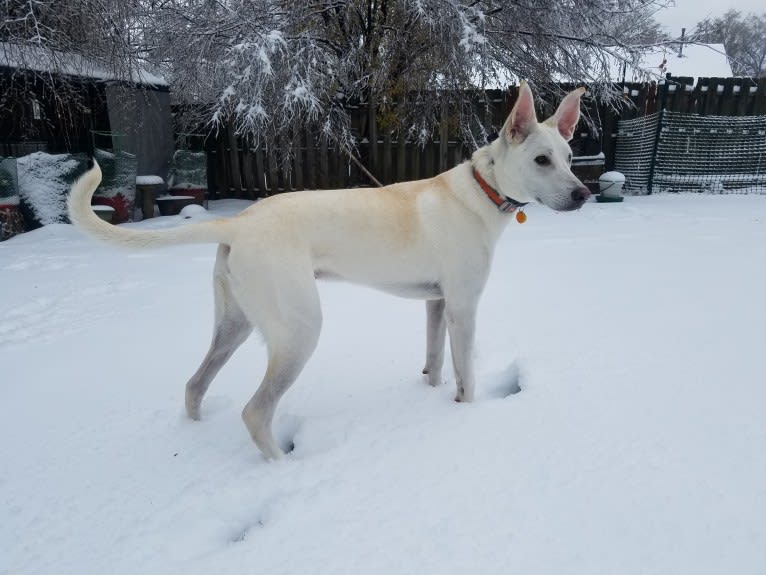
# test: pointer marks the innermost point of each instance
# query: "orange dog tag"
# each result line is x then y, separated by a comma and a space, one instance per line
521, 217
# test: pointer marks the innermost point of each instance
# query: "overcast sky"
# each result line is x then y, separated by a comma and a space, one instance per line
687, 13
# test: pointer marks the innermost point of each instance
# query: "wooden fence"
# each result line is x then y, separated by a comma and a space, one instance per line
236, 169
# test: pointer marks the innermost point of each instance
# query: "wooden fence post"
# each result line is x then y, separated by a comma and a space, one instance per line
728, 98
298, 159
311, 159
273, 170
416, 152
444, 136
324, 174
759, 106
222, 172
372, 124
247, 168
260, 176
388, 173
236, 174
401, 155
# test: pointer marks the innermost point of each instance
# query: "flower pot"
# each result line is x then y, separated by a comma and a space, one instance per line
611, 183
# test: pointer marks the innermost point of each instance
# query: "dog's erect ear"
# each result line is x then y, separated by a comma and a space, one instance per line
568, 114
522, 118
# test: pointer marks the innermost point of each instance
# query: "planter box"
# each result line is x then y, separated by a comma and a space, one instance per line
105, 212
588, 169
172, 205
197, 193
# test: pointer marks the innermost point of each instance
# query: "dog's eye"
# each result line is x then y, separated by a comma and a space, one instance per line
542, 160
569, 159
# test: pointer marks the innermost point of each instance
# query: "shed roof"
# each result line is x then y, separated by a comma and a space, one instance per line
42, 59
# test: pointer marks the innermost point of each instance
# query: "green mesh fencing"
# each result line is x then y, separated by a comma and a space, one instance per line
674, 152
189, 170
9, 181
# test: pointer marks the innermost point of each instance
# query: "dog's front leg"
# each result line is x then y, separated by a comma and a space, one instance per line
436, 329
461, 323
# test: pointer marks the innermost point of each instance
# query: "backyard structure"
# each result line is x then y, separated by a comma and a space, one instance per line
81, 106
703, 136
58, 108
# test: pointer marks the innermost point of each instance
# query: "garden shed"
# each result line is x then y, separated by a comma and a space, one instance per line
59, 102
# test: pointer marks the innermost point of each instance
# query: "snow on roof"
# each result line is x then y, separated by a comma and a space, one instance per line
42, 59
696, 60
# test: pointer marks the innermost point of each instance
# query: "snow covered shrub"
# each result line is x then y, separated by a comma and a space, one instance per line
44, 182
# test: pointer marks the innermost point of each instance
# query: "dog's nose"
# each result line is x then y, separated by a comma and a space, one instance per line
581, 194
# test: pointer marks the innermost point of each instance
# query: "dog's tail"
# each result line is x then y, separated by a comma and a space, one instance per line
81, 214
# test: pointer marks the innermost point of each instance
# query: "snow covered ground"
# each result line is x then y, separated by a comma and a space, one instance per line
637, 444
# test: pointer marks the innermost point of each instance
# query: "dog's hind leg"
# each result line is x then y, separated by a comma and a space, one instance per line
283, 302
436, 333
231, 329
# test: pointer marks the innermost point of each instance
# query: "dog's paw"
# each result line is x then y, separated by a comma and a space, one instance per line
464, 395
432, 378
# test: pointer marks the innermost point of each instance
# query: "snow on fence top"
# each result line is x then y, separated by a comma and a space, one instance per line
695, 60
41, 59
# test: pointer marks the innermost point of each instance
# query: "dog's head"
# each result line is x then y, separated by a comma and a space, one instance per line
532, 161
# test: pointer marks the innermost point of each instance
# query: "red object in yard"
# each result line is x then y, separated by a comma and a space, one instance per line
120, 204
197, 193
11, 222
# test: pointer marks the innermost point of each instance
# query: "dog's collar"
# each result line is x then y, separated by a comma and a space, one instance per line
503, 203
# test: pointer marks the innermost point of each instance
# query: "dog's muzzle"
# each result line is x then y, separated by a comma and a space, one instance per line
579, 196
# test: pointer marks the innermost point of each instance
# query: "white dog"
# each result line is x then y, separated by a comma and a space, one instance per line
431, 239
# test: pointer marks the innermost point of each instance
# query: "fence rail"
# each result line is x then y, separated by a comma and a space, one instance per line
312, 162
